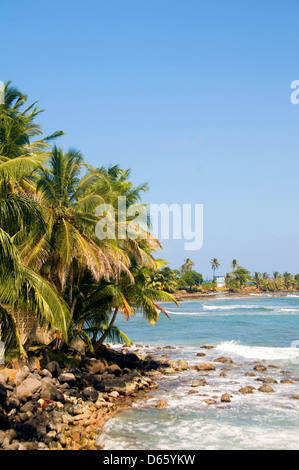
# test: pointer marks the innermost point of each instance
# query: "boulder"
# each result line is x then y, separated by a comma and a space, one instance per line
260, 367
96, 366
286, 381
115, 370
67, 377
266, 389
54, 368
247, 389
204, 366
22, 374
198, 383
179, 365
28, 387
226, 398
207, 347
90, 393
200, 354
224, 360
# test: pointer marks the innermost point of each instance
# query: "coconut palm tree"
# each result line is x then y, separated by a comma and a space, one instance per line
215, 265
234, 264
70, 246
187, 266
127, 296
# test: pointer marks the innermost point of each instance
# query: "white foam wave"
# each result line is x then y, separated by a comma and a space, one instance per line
260, 352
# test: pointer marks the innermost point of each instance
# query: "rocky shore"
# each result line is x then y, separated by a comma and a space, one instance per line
63, 405
55, 405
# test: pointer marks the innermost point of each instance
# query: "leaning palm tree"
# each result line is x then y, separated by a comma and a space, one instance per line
128, 297
215, 265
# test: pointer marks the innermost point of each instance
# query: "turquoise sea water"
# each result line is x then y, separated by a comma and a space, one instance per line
258, 328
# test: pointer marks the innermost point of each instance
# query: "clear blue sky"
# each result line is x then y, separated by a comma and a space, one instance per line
193, 95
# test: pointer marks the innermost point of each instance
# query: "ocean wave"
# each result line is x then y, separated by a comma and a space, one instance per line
260, 352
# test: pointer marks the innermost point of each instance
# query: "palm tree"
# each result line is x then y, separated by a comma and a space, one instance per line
127, 297
257, 279
22, 291
18, 129
234, 264
187, 266
70, 246
215, 265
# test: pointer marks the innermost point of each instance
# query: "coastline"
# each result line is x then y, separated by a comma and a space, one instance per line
180, 297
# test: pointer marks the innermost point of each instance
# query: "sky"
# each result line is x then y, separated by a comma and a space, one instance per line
193, 96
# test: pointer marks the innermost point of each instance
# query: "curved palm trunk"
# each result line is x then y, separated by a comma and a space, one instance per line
104, 336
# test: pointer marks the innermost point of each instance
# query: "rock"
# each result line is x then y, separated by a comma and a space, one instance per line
22, 374
204, 366
3, 378
29, 406
266, 380
90, 393
67, 377
294, 397
3, 394
222, 374
54, 368
207, 347
168, 347
286, 381
200, 354
114, 394
210, 401
132, 357
224, 360
162, 404
28, 387
260, 367
45, 373
13, 402
115, 370
247, 389
226, 398
179, 365
95, 366
198, 383
266, 389
250, 374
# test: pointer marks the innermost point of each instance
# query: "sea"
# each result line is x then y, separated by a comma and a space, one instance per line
259, 328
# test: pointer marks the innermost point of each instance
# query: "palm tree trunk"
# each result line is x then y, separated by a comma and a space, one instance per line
104, 336
31, 336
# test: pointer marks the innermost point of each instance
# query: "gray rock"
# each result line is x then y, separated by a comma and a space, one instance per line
54, 368
22, 374
28, 387
89, 393
67, 377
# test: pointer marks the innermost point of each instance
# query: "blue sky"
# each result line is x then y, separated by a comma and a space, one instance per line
193, 96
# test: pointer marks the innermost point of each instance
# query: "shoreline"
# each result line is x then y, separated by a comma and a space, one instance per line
63, 407
180, 297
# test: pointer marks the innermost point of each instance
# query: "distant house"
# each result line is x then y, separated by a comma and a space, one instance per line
220, 281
